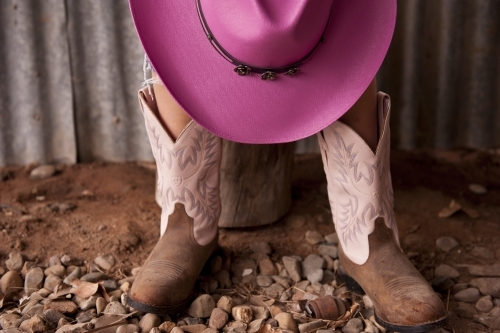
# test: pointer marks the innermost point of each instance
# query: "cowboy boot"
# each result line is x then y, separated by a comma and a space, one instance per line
188, 184
361, 199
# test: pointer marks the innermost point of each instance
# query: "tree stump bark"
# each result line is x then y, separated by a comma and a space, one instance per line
255, 183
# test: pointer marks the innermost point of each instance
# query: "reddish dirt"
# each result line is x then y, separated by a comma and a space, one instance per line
114, 207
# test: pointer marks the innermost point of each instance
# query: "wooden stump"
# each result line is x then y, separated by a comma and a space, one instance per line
255, 183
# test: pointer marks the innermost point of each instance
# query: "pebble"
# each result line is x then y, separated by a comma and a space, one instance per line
86, 316
61, 305
482, 253
33, 280
218, 319
225, 303
167, 326
115, 308
328, 277
37, 325
242, 313
10, 320
446, 244
235, 327
86, 303
58, 270
487, 286
94, 277
465, 310
42, 172
68, 260
313, 237
312, 326
354, 325
469, 295
261, 247
328, 250
215, 265
128, 328
332, 238
148, 321
76, 328
368, 302
176, 330
286, 321
51, 282
100, 305
293, 267
54, 260
312, 262
264, 280
15, 261
315, 276
202, 306
484, 304
255, 325
197, 328
267, 267
75, 274
274, 290
446, 272
240, 265
53, 316
11, 282
478, 189
106, 261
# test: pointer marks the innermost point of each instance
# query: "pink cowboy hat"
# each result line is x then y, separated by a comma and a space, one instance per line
265, 71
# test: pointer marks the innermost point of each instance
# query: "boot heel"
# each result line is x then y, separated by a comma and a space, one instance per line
350, 283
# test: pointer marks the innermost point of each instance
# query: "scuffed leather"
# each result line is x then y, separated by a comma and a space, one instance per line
400, 295
188, 172
359, 182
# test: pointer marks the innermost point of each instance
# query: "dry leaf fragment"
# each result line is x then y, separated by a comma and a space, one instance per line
449, 210
84, 289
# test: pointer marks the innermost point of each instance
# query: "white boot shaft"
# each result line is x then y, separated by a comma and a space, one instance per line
188, 172
359, 182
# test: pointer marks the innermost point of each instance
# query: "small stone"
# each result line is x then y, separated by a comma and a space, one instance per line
197, 328
176, 330
215, 265
33, 280
11, 282
86, 303
26, 267
261, 247
368, 302
106, 262
54, 260
115, 308
328, 250
446, 244
264, 280
51, 282
315, 276
274, 290
15, 261
242, 313
465, 310
202, 306
94, 277
148, 321
223, 279
63, 306
484, 304
478, 189
293, 267
286, 321
328, 277
225, 303
312, 326
58, 270
259, 312
76, 328
332, 238
35, 310
470, 295
37, 325
482, 253
354, 325
235, 327
166, 326
110, 285
100, 304
446, 272
312, 262
218, 319
193, 321
241, 265
86, 316
53, 316
128, 328
10, 320
313, 237
68, 260
75, 274
267, 267
255, 325
42, 172
487, 286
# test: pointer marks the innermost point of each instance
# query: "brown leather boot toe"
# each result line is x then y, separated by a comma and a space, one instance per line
165, 282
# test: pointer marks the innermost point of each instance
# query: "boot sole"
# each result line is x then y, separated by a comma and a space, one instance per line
159, 310
355, 287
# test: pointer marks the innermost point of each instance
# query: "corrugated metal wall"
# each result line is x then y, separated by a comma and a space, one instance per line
69, 71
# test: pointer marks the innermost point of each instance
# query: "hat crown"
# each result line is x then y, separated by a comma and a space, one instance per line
267, 33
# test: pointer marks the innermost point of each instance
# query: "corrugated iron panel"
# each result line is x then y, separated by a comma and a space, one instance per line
36, 108
69, 72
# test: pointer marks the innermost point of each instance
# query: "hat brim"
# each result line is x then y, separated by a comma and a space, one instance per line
250, 110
